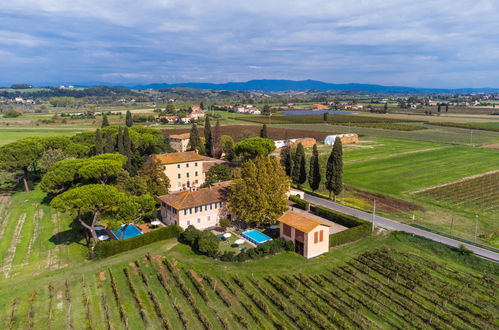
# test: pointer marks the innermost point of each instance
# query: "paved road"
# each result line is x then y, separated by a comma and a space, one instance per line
395, 225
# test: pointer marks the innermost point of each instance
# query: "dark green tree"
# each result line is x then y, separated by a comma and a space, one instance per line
208, 138
263, 132
299, 166
217, 173
217, 133
194, 139
128, 119
253, 147
324, 116
121, 146
127, 145
201, 105
334, 169
99, 148
386, 107
439, 108
266, 109
447, 107
105, 121
314, 174
109, 146
286, 159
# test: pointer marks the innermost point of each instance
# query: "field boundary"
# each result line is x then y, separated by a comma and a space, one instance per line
454, 182
392, 155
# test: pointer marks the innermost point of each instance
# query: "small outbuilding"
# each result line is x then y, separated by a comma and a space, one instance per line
310, 236
345, 138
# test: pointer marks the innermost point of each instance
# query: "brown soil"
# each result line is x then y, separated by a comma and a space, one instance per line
385, 203
491, 146
102, 276
240, 132
195, 275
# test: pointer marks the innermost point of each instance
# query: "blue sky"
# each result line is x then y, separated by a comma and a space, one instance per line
437, 43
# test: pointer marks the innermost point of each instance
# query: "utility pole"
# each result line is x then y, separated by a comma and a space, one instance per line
374, 213
476, 225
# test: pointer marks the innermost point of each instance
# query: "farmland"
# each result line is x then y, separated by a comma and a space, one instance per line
364, 285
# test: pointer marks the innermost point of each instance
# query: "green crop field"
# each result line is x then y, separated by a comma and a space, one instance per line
394, 281
35, 238
11, 134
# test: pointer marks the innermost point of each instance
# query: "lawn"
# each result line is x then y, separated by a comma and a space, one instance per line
11, 134
362, 285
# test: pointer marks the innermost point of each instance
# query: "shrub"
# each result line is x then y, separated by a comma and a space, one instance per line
464, 250
300, 203
112, 247
190, 235
358, 228
228, 256
290, 246
207, 244
225, 223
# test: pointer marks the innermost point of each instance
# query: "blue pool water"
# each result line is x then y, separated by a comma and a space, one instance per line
315, 112
130, 231
256, 237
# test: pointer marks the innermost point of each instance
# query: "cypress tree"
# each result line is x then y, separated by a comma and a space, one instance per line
201, 105
208, 138
127, 144
121, 147
286, 159
386, 107
439, 107
99, 148
217, 133
299, 167
447, 107
194, 139
128, 119
324, 116
334, 169
105, 121
229, 151
109, 147
263, 132
314, 174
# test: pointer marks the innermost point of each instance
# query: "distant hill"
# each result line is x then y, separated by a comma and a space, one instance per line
269, 85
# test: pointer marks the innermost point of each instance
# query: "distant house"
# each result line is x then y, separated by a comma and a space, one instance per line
179, 142
345, 138
309, 235
353, 107
319, 107
203, 208
196, 112
169, 119
306, 142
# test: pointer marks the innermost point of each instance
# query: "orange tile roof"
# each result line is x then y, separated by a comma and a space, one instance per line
300, 221
203, 196
180, 157
184, 136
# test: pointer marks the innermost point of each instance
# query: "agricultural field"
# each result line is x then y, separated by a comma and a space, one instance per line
363, 285
11, 134
34, 237
478, 194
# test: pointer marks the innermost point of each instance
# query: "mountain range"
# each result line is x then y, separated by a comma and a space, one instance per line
270, 85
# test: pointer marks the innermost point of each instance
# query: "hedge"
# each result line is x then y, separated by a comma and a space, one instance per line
108, 248
357, 228
300, 203
349, 235
338, 217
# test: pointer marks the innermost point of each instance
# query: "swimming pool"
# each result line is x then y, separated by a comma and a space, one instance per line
130, 231
256, 237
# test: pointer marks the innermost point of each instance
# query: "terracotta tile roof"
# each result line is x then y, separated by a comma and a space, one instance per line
203, 196
184, 136
300, 221
180, 157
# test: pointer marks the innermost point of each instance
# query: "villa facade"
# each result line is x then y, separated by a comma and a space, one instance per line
203, 208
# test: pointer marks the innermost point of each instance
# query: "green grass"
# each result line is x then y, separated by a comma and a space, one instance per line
435, 134
35, 238
416, 258
11, 134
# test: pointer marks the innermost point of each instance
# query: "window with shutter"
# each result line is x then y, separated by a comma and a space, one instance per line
321, 236
316, 235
